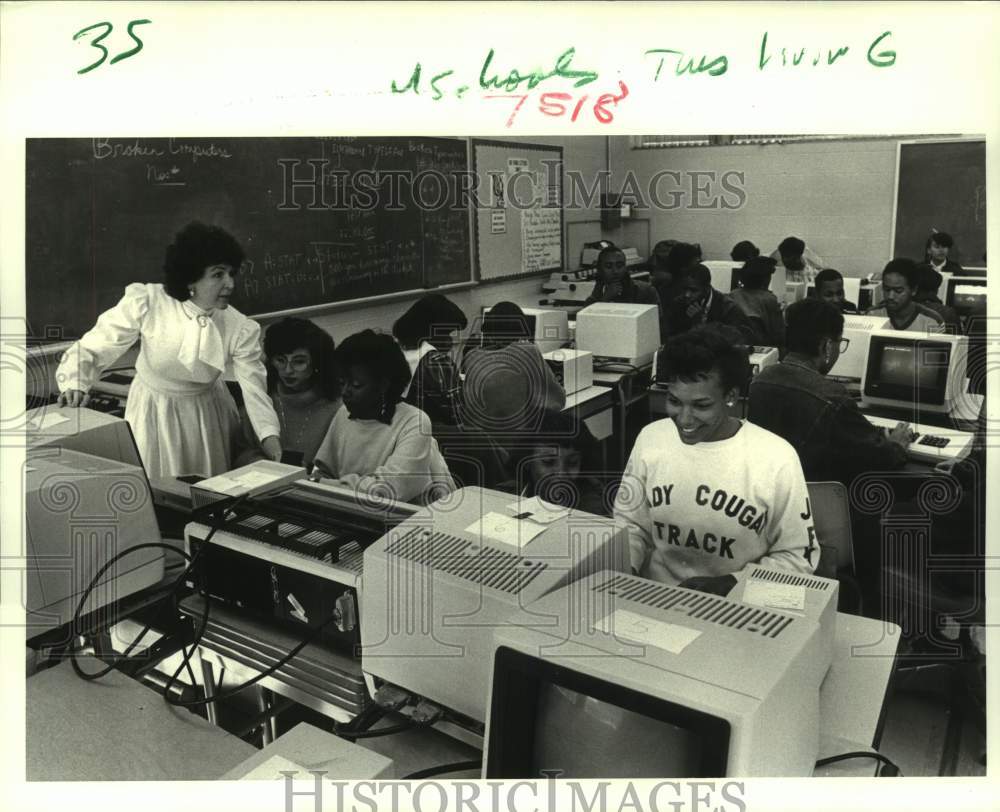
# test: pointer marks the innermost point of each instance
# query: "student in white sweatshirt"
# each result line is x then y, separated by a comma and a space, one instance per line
378, 444
705, 493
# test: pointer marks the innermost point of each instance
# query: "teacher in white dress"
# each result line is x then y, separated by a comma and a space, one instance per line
181, 413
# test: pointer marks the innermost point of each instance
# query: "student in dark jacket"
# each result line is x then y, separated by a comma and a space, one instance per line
426, 332
700, 304
936, 252
829, 284
759, 304
796, 400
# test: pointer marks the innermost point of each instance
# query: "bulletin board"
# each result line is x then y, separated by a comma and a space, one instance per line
519, 214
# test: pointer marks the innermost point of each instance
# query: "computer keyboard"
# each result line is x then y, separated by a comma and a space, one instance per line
928, 443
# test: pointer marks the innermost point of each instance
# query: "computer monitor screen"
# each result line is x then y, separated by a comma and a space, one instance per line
967, 296
570, 724
908, 369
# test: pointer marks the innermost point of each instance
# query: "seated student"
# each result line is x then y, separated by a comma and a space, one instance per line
744, 251
801, 263
615, 283
936, 252
700, 304
426, 332
704, 493
759, 304
508, 385
899, 284
796, 400
926, 295
830, 288
668, 276
377, 443
551, 466
304, 386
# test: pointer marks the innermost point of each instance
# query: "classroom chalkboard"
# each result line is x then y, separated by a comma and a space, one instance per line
321, 219
941, 185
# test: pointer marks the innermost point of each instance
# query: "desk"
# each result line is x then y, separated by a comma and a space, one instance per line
116, 729
852, 700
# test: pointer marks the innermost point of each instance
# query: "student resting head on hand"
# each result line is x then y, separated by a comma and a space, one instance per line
377, 444
704, 493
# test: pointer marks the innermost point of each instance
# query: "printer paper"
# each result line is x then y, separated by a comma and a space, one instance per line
646, 631
505, 529
775, 596
47, 421
540, 510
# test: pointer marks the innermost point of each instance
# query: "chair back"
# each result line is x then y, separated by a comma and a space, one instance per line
832, 520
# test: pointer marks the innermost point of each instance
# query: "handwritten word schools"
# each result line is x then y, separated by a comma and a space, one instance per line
519, 83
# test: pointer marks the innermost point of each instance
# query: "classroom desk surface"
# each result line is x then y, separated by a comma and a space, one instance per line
117, 729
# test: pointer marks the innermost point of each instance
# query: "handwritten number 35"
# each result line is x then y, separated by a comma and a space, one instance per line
104, 51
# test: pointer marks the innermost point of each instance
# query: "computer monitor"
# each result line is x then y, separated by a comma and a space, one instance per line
857, 330
436, 586
621, 332
622, 677
906, 370
725, 274
81, 510
549, 327
967, 295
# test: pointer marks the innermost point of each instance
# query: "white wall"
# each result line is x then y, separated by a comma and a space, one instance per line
837, 196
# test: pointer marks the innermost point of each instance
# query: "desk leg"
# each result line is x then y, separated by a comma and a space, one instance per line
208, 682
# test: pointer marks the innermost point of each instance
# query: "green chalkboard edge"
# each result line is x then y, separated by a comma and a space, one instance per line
895, 194
474, 236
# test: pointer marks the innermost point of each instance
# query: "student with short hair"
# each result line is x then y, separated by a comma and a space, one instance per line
800, 262
701, 304
829, 284
797, 401
704, 493
899, 284
379, 444
936, 251
551, 467
508, 385
615, 283
759, 304
744, 251
426, 332
304, 384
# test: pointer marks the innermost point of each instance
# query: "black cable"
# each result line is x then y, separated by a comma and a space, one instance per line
90, 588
859, 754
443, 768
227, 505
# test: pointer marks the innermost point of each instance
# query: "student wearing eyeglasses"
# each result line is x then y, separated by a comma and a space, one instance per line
796, 400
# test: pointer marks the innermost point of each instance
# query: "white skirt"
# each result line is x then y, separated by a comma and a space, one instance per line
184, 430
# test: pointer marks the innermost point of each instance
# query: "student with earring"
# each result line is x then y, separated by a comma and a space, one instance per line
704, 493
378, 444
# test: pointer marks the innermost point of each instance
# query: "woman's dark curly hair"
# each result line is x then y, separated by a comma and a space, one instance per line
694, 355
382, 357
288, 335
196, 247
